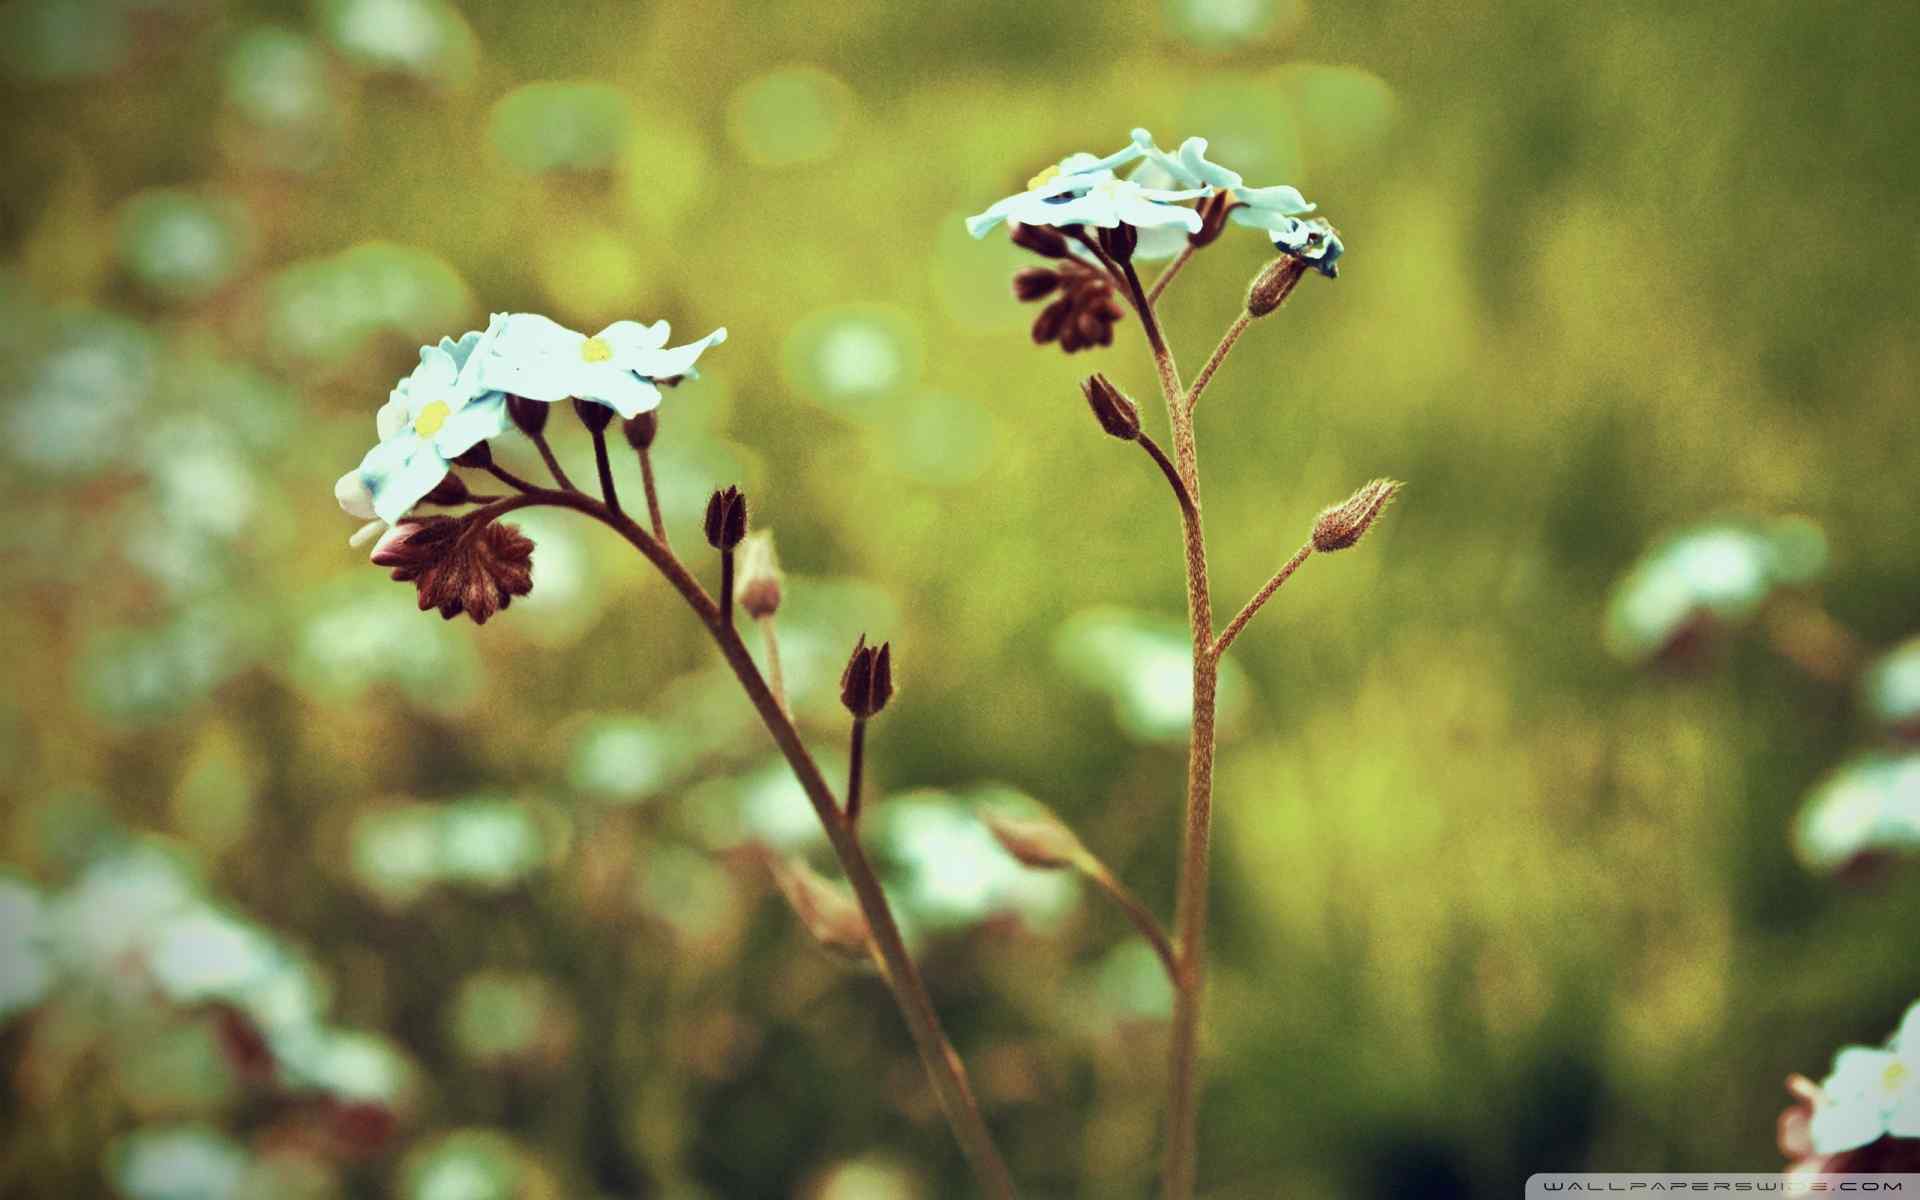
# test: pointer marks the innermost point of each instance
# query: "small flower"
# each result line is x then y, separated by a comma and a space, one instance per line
1083, 190
1872, 1093
1315, 241
432, 417
1267, 208
540, 359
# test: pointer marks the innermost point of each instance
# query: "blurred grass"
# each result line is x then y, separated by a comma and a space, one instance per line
1488, 903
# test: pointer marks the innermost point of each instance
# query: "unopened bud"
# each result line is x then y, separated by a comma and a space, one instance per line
595, 416
867, 683
757, 584
1119, 241
1032, 283
478, 456
529, 415
641, 430
1036, 838
1346, 523
726, 518
1118, 415
1274, 284
449, 491
827, 910
1041, 239
1213, 218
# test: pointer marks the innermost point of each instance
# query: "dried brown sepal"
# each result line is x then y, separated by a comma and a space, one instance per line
1041, 239
459, 566
1213, 218
1346, 523
1117, 414
595, 416
1034, 283
449, 491
867, 683
1036, 839
726, 522
641, 430
1274, 283
529, 416
1119, 241
826, 910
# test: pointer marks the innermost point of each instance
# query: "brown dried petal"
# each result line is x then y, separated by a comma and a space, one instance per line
461, 568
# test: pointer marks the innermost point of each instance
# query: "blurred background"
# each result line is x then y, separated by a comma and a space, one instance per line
1554, 821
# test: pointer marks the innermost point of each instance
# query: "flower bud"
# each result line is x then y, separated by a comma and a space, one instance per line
1032, 283
449, 491
1119, 241
867, 683
757, 585
641, 430
1213, 218
827, 910
1274, 284
1118, 415
726, 518
1346, 523
596, 417
1041, 239
1036, 839
479, 456
530, 416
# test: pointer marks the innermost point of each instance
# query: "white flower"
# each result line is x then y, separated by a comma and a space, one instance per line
1871, 1093
1083, 190
540, 359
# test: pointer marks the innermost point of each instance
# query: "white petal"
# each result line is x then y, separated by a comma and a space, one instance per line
631, 337
355, 497
479, 421
404, 488
366, 533
665, 364
619, 389
1836, 1126
393, 415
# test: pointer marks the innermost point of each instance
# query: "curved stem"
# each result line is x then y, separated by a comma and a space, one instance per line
605, 467
1167, 468
1140, 916
539, 441
944, 1068
510, 479
653, 498
1260, 597
1171, 272
1218, 356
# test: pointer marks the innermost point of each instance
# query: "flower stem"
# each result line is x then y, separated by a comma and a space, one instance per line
726, 587
1190, 910
1172, 270
553, 464
774, 676
1260, 597
1219, 356
943, 1066
653, 498
510, 479
856, 762
1172, 473
605, 466
1139, 915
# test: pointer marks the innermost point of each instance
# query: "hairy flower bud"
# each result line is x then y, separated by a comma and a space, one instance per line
529, 415
867, 683
449, 491
1042, 240
726, 518
1032, 283
1119, 241
641, 430
1346, 523
1213, 218
596, 417
757, 586
1274, 284
1117, 414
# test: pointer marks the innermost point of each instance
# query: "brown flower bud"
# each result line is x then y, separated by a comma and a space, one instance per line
641, 430
459, 567
1213, 218
726, 518
867, 683
827, 910
595, 416
1119, 241
1041, 239
757, 587
1032, 283
529, 415
1052, 319
449, 491
1037, 839
1346, 523
1117, 414
478, 456
1274, 284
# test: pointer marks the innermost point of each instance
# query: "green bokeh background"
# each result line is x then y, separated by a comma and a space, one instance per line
1487, 902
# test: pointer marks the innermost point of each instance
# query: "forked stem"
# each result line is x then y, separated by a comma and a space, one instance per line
1260, 597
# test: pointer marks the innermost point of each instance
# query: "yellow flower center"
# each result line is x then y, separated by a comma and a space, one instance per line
1895, 1076
595, 350
431, 418
1044, 178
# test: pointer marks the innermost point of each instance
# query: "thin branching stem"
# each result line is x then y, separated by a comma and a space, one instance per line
539, 441
775, 678
856, 764
1139, 916
1218, 356
653, 498
1172, 271
1260, 597
510, 479
1172, 473
604, 465
943, 1066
